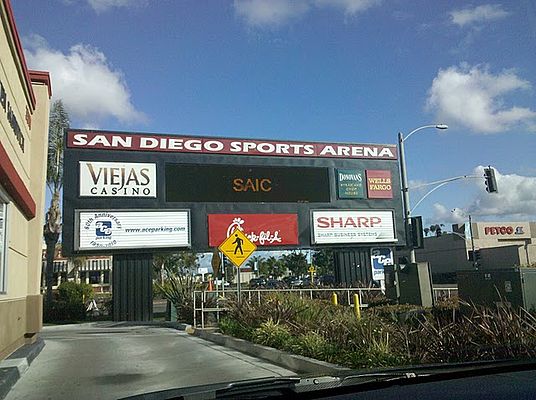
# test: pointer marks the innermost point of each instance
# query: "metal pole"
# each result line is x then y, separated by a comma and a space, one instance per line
239, 292
223, 275
405, 192
475, 266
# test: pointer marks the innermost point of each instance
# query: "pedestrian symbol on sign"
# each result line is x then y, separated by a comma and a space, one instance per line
238, 243
237, 247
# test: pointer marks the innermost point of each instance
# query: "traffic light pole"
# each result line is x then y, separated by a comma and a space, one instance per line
405, 193
473, 256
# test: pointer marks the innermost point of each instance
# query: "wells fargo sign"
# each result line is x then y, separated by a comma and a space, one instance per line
261, 229
379, 184
189, 144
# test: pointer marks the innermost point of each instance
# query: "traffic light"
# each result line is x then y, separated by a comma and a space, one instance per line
491, 182
475, 256
417, 238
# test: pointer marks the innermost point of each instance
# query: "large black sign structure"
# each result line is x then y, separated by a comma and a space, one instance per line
134, 194
126, 175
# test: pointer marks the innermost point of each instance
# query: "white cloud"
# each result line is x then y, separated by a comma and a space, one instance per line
350, 7
261, 13
479, 14
86, 82
270, 12
445, 215
473, 97
515, 200
516, 197
104, 5
100, 6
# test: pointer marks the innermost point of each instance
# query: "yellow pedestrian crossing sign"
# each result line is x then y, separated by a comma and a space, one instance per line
237, 247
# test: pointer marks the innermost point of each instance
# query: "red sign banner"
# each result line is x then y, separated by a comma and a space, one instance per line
103, 140
261, 229
379, 184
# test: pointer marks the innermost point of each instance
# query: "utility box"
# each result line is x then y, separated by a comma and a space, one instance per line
511, 286
409, 284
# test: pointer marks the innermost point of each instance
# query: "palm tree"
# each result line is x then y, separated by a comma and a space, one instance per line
59, 123
255, 259
77, 262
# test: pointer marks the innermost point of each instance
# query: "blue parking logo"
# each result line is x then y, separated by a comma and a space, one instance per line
103, 228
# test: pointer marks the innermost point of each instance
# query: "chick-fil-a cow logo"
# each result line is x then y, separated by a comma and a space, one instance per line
261, 229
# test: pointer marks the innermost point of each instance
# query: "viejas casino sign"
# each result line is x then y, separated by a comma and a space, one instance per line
187, 144
261, 229
114, 179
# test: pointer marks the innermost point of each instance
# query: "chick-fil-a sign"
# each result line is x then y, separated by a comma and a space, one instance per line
261, 229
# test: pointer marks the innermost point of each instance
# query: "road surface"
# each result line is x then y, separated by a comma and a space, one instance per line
108, 360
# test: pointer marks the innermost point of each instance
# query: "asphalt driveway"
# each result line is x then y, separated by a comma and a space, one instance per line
109, 360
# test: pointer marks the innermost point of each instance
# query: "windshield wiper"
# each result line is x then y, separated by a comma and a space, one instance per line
271, 387
359, 381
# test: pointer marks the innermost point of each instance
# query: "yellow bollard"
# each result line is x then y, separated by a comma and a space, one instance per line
357, 307
334, 299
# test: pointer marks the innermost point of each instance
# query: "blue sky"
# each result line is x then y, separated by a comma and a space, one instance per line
323, 70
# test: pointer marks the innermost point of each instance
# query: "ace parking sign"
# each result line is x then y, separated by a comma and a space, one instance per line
380, 257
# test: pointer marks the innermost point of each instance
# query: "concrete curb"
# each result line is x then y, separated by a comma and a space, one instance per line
13, 367
162, 324
293, 362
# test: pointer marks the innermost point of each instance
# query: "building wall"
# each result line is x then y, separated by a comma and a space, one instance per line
445, 254
501, 244
22, 168
500, 257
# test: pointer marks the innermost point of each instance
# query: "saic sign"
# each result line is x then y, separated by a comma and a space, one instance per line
115, 179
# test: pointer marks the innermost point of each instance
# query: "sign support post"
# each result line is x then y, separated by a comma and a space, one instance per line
237, 247
238, 286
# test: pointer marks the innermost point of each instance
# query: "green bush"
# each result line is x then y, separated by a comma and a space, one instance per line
273, 334
314, 345
389, 335
232, 327
69, 304
73, 292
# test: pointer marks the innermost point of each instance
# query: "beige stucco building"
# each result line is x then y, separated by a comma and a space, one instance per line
498, 244
24, 112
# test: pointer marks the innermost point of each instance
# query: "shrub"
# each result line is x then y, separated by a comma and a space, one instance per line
272, 334
386, 335
312, 344
232, 327
69, 304
179, 290
73, 292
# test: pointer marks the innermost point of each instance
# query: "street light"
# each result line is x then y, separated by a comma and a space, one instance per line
405, 192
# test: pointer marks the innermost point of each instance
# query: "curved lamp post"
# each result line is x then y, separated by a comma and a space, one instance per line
404, 178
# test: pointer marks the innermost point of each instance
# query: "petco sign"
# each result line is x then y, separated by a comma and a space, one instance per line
261, 229
352, 226
110, 230
115, 179
517, 230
